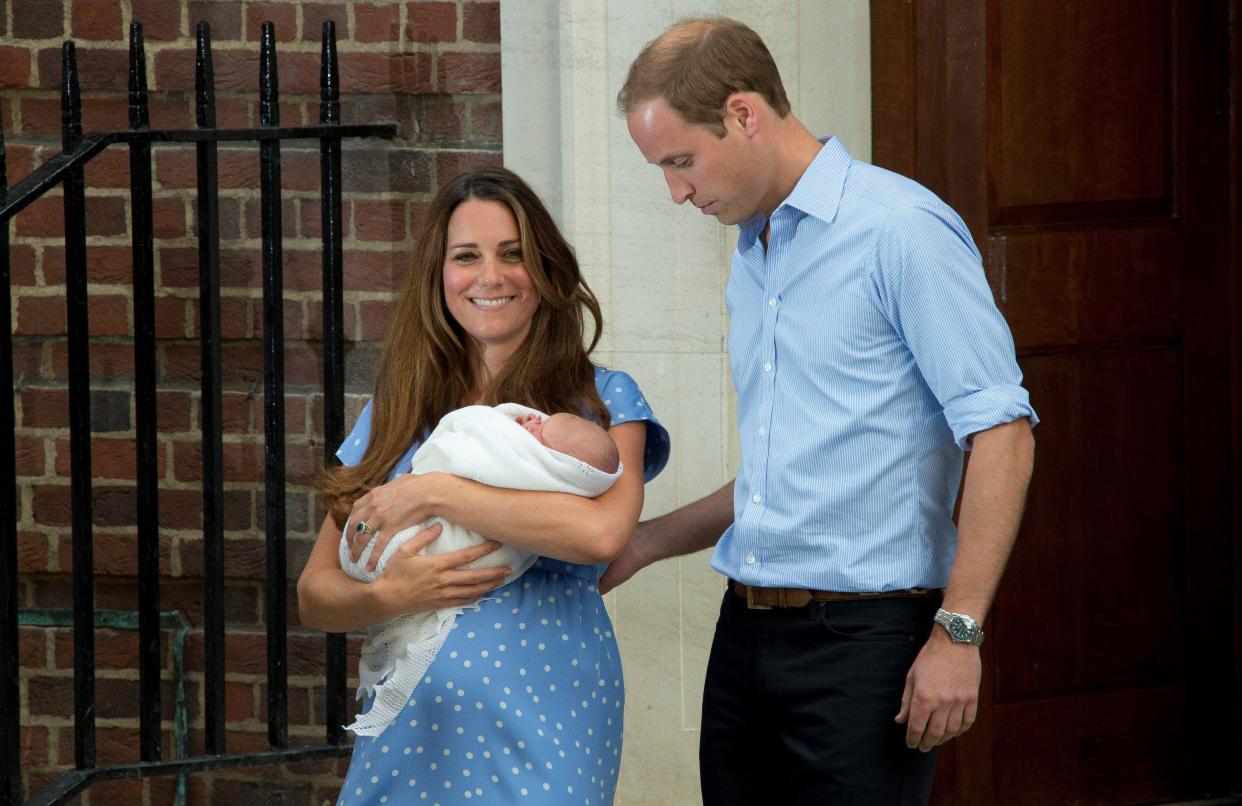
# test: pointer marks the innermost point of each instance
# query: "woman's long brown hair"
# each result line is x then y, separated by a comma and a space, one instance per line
427, 366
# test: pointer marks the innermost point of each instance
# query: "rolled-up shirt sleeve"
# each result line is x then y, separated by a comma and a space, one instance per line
929, 282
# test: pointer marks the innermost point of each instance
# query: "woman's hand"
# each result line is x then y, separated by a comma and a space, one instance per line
412, 582
386, 510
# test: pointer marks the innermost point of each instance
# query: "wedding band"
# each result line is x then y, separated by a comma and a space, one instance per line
366, 528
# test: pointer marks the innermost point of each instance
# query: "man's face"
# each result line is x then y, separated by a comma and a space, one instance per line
716, 174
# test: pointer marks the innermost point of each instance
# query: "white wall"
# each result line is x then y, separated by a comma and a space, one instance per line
659, 271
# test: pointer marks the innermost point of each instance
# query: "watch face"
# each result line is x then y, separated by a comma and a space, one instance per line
959, 628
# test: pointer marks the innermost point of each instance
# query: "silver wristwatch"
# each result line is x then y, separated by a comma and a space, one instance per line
962, 629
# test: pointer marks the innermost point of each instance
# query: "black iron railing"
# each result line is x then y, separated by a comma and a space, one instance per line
67, 169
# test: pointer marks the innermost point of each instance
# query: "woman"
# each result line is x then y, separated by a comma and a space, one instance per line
523, 703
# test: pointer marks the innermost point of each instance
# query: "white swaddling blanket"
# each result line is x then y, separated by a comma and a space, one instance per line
487, 445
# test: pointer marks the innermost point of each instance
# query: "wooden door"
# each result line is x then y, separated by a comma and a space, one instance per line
1088, 145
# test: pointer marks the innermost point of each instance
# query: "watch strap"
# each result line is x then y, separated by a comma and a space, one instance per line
962, 629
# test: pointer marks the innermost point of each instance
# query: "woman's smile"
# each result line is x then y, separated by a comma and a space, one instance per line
491, 302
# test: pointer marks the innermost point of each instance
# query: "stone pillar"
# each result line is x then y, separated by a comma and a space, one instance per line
660, 273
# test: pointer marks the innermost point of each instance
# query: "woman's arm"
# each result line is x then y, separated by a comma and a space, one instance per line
331, 600
561, 525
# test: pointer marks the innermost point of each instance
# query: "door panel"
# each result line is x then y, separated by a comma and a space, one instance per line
1081, 601
1080, 85
1086, 144
1060, 288
1122, 747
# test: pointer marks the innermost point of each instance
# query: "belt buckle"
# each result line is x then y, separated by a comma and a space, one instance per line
750, 600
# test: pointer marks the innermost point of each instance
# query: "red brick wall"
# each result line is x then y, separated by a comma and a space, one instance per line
433, 68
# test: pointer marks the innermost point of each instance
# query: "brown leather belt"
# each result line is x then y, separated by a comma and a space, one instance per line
768, 598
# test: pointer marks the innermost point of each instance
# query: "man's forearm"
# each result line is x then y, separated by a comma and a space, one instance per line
941, 696
993, 498
686, 530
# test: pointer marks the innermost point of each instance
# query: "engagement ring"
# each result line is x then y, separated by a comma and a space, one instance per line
366, 528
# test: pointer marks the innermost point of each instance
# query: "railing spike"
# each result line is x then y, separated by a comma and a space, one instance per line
79, 422
333, 334
329, 78
139, 113
273, 397
204, 80
269, 93
208, 205
143, 255
70, 99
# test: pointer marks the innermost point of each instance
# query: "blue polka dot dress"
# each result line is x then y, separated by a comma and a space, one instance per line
525, 701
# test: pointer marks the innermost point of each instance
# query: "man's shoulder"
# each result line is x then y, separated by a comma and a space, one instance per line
883, 186
882, 190
891, 205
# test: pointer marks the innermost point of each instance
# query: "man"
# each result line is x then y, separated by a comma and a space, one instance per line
868, 354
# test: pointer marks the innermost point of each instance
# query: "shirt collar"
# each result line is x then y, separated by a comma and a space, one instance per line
817, 193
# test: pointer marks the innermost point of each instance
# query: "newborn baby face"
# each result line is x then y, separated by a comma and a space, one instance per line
575, 436
559, 431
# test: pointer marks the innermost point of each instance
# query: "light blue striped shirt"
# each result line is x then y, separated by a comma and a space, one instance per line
866, 349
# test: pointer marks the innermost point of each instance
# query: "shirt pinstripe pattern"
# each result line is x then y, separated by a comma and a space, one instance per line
866, 348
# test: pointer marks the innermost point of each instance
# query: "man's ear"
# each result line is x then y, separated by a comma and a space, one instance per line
741, 110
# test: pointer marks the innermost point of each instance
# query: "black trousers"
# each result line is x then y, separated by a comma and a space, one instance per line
799, 703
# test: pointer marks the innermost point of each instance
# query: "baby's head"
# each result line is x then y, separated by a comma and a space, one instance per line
577, 437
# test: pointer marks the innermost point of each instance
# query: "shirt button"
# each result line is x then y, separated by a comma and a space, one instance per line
772, 302
767, 366
757, 498
750, 559
763, 431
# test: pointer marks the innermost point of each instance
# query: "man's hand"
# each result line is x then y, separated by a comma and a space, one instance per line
683, 531
631, 560
942, 692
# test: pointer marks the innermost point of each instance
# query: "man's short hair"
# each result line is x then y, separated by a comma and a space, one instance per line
697, 64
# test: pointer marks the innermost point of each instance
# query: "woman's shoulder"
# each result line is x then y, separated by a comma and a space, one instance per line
613, 381
626, 402
355, 444
621, 395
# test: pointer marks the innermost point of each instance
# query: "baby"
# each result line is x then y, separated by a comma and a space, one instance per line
574, 436
509, 445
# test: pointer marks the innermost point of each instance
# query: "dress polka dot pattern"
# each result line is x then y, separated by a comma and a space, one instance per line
525, 701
